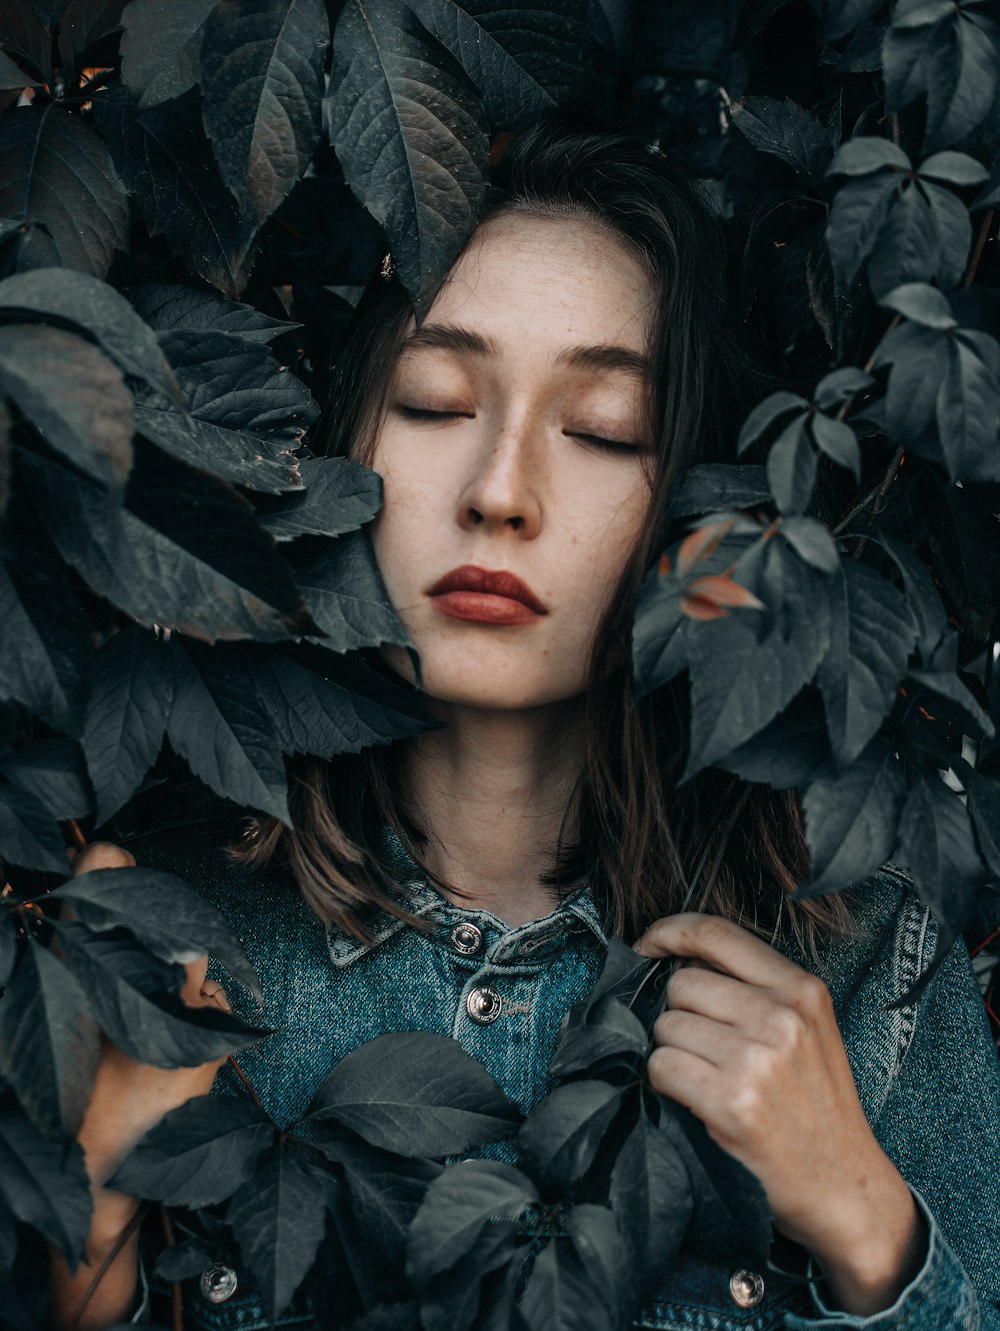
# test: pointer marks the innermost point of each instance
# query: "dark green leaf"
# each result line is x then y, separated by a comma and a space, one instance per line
908, 246
860, 207
262, 80
609, 1030
409, 132
44, 1183
165, 306
922, 598
811, 541
787, 131
46, 157
955, 168
345, 593
247, 414
44, 655
185, 551
278, 1218
415, 1093
791, 468
340, 496
851, 817
224, 731
765, 414
169, 918
136, 1001
165, 160
650, 1193
197, 1154
865, 154
459, 1299
788, 750
838, 441
82, 24
869, 646
949, 688
160, 47
457, 1208
29, 835
919, 362
562, 1295
48, 1041
561, 1136
52, 770
659, 633
847, 382
94, 309
523, 60
12, 76
73, 396
131, 690
731, 1219
968, 407
708, 486
984, 811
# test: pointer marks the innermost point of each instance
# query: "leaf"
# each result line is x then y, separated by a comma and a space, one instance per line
791, 468
48, 1042
765, 414
609, 1030
185, 551
262, 81
851, 817
168, 306
788, 750
731, 1218
524, 60
44, 1183
456, 1209
560, 1138
197, 1154
463, 1298
169, 918
29, 836
955, 168
82, 24
131, 691
247, 413
811, 541
787, 131
922, 303
847, 382
27, 36
224, 733
908, 246
709, 485
968, 407
340, 496
93, 309
406, 126
949, 688
865, 154
160, 47
921, 595
919, 361
278, 1219
739, 681
52, 771
346, 595
650, 1192
166, 161
12, 76
561, 1295
47, 156
869, 646
73, 396
415, 1093
838, 441
984, 812
860, 208
44, 641
659, 642
135, 999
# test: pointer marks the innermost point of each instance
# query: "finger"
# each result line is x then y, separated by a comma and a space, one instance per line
712, 993
102, 855
196, 972
722, 943
685, 1077
711, 1040
213, 995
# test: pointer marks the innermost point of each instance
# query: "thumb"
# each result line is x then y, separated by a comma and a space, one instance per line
102, 855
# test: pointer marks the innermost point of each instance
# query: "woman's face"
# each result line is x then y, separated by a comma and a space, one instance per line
516, 442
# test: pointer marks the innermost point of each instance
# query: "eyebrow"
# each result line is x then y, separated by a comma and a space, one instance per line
465, 342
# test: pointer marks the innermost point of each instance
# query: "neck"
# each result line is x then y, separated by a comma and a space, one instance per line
490, 790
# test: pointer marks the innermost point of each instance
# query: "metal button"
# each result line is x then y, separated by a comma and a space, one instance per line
747, 1288
467, 939
483, 1005
218, 1283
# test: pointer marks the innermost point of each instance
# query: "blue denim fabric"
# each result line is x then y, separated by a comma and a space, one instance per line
927, 1075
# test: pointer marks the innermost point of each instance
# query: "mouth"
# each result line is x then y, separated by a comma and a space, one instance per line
486, 596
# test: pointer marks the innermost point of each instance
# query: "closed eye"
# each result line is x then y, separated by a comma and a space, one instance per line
608, 445
426, 414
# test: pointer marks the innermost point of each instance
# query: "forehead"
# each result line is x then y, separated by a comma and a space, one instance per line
544, 283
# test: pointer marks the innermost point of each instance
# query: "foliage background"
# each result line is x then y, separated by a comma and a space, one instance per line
192, 197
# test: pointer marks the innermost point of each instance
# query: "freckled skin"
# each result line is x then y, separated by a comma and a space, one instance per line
507, 485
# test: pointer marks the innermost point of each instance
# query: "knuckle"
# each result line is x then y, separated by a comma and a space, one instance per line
809, 996
102, 855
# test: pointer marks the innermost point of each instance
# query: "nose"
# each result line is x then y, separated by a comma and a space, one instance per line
503, 491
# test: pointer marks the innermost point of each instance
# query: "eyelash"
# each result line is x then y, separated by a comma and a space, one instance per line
608, 445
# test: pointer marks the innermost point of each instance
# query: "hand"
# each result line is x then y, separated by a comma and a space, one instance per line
127, 1099
750, 1045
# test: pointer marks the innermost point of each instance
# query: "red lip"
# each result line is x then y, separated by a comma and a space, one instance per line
486, 596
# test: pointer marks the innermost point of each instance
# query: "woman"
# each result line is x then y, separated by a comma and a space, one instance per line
528, 432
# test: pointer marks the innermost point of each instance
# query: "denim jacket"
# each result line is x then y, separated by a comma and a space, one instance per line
927, 1074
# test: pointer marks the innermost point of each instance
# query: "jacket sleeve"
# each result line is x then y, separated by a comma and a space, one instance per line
940, 1125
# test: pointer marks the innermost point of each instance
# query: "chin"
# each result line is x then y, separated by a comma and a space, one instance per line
466, 679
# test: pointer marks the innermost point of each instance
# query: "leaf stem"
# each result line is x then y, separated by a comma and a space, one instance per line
247, 1084
116, 1248
977, 253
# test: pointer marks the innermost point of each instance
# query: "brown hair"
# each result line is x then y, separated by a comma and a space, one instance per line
649, 846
